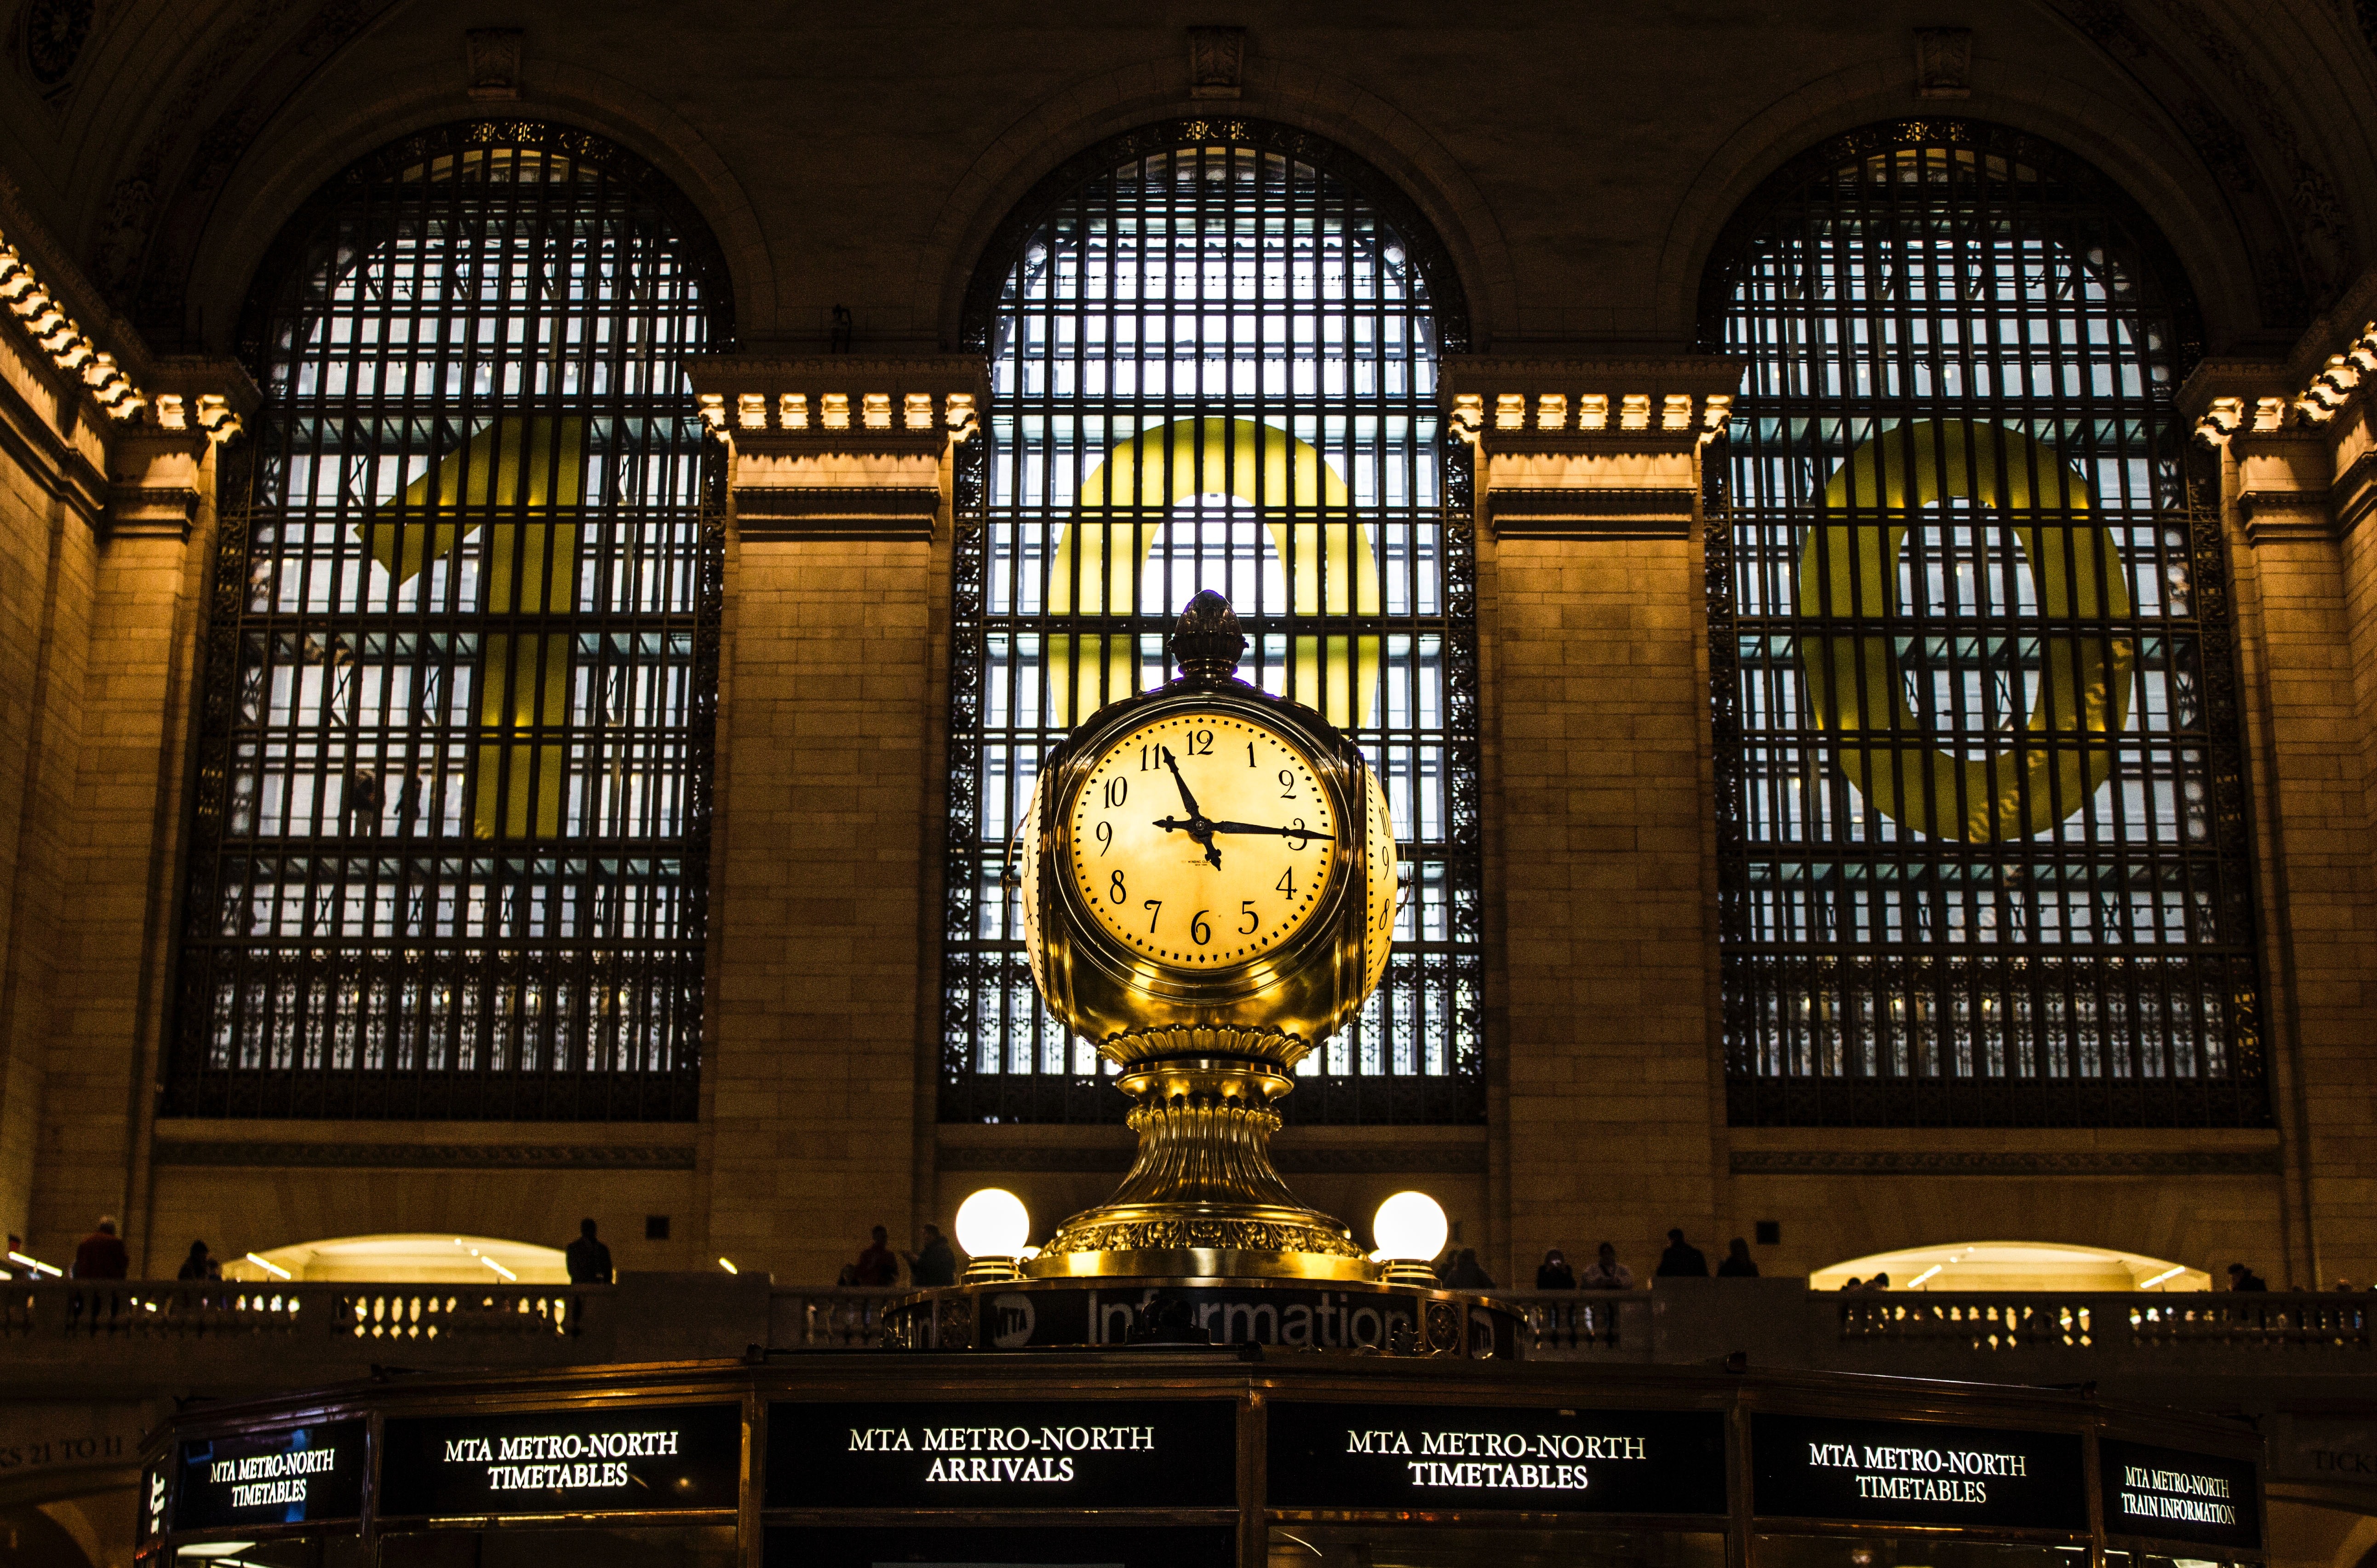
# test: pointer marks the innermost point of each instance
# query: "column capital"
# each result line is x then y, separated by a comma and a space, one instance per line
1589, 448
839, 446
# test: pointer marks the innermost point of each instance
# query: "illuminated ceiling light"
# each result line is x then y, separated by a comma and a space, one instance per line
38, 1266
2171, 1273
269, 1267
1926, 1274
728, 1264
497, 1267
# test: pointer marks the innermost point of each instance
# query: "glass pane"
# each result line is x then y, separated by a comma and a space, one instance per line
1213, 365
1982, 857
452, 842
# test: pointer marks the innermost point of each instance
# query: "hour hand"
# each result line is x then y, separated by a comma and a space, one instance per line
1186, 798
1196, 828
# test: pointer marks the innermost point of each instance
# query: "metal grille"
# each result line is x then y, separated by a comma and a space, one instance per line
1213, 350
451, 846
1981, 821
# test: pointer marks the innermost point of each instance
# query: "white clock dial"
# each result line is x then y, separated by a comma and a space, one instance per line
1202, 840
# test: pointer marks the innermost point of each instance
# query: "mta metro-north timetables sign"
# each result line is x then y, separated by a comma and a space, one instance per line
1917, 1472
586, 1459
287, 1475
1010, 1454
1402, 1456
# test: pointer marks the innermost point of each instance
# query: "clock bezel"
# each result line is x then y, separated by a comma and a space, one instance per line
1089, 971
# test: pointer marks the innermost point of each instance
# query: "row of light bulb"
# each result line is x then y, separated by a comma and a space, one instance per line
1410, 1227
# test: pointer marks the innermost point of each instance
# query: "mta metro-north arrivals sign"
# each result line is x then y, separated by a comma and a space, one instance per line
587, 1459
1540, 1460
289, 1476
2178, 1496
1138, 1454
1917, 1473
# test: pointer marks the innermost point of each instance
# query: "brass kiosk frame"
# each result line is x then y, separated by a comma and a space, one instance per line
1250, 1381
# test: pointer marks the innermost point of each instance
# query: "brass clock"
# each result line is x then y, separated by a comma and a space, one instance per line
1209, 893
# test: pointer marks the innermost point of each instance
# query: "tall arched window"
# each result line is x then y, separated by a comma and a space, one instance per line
1981, 837
1213, 350
451, 855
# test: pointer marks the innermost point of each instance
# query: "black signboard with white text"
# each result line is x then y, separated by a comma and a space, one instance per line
1113, 1453
1041, 1545
286, 1476
2176, 1495
1916, 1473
1488, 1456
586, 1459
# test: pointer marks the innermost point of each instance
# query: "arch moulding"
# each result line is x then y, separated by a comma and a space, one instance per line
1284, 93
2124, 141
301, 152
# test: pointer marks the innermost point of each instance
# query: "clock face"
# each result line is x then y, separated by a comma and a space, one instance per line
1202, 840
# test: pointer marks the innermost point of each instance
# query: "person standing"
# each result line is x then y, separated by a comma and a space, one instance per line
1606, 1273
1554, 1273
199, 1264
589, 1261
1738, 1264
1681, 1259
2242, 1278
878, 1266
934, 1264
102, 1254
1468, 1274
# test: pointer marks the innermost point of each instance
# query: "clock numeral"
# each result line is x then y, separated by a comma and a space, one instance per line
1287, 783
1200, 743
1146, 760
1287, 883
1105, 837
1197, 930
1250, 754
1154, 907
1118, 790
1254, 921
1115, 889
1296, 826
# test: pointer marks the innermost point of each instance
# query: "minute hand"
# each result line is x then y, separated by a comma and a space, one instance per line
1255, 828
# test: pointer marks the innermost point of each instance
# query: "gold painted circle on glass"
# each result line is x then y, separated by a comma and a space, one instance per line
1202, 840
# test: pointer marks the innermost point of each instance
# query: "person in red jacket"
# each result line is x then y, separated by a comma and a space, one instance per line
878, 1266
102, 1254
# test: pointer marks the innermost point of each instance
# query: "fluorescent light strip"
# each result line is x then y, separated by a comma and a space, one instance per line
1926, 1274
38, 1266
269, 1267
2167, 1274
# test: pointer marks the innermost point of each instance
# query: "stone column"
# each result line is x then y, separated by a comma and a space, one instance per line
132, 595
1600, 856
2296, 481
825, 859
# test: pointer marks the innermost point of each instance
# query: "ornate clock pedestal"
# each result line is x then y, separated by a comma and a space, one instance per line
1201, 1198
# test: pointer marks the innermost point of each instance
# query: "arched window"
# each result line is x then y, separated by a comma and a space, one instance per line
1213, 350
1981, 839
450, 854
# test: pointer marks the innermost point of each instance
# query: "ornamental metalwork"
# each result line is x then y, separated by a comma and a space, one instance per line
1213, 352
450, 852
1981, 817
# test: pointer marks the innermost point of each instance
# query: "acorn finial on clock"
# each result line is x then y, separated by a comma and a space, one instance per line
1207, 642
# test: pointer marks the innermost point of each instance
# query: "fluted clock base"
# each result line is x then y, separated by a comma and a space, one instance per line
1201, 1199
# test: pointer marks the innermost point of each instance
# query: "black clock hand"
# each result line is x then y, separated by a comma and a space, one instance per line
1196, 828
1253, 828
1186, 798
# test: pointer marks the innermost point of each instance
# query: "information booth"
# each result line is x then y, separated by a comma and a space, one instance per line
1193, 1459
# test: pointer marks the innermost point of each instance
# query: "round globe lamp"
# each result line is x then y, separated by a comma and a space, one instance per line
996, 1231
1411, 1231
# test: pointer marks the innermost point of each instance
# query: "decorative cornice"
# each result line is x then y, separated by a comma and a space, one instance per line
778, 511
1510, 404
1440, 1160
830, 401
36, 310
1549, 512
433, 1156
1938, 1162
2286, 517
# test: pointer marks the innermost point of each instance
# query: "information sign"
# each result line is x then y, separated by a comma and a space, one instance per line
1405, 1456
1917, 1472
1145, 1453
605, 1458
2178, 1496
285, 1476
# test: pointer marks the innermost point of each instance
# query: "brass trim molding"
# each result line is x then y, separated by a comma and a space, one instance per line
1938, 1162
1448, 1159
1547, 512
434, 1157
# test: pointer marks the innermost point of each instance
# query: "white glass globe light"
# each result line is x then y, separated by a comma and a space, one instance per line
993, 1223
1408, 1226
